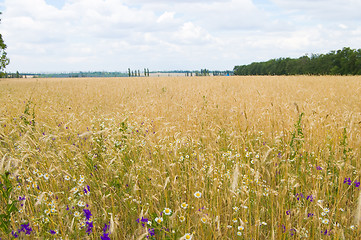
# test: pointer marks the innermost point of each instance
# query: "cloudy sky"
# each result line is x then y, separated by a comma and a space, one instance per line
112, 35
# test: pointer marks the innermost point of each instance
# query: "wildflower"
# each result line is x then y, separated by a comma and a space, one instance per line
76, 214
323, 213
158, 220
53, 232
81, 204
151, 231
229, 226
81, 180
288, 212
347, 181
47, 211
90, 227
52, 210
240, 228
198, 194
187, 236
203, 219
86, 190
184, 205
352, 227
167, 211
319, 168
235, 209
87, 214
182, 218
67, 178
264, 223
25, 228
239, 233
326, 210
74, 190
357, 184
234, 220
46, 176
325, 221
310, 198
105, 235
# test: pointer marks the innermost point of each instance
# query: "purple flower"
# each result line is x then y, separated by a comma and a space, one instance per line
52, 232
89, 227
293, 231
87, 214
309, 214
347, 181
15, 234
105, 236
357, 184
319, 168
310, 197
25, 228
21, 198
86, 189
299, 195
151, 231
288, 212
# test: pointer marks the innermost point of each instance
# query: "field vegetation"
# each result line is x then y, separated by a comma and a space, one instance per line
180, 158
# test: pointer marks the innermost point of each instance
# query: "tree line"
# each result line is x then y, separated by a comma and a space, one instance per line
341, 62
4, 60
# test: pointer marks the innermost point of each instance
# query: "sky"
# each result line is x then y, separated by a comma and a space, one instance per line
114, 35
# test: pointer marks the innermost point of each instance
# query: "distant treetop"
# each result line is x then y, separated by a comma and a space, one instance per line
341, 62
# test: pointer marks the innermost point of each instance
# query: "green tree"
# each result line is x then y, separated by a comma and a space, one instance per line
4, 60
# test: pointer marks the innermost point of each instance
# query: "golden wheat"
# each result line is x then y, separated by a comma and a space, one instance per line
182, 158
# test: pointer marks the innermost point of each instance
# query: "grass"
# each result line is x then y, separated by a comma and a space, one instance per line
181, 158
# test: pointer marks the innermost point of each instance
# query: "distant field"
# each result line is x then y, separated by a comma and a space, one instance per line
181, 157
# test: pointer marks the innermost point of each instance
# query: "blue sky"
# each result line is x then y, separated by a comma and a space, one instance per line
112, 35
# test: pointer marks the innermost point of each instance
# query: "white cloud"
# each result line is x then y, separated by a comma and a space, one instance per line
44, 35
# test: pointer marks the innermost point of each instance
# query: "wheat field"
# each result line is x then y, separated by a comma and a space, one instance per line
181, 158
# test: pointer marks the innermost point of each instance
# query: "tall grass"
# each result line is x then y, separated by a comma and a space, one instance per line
180, 158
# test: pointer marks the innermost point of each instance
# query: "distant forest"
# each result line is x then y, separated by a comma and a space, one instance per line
341, 62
